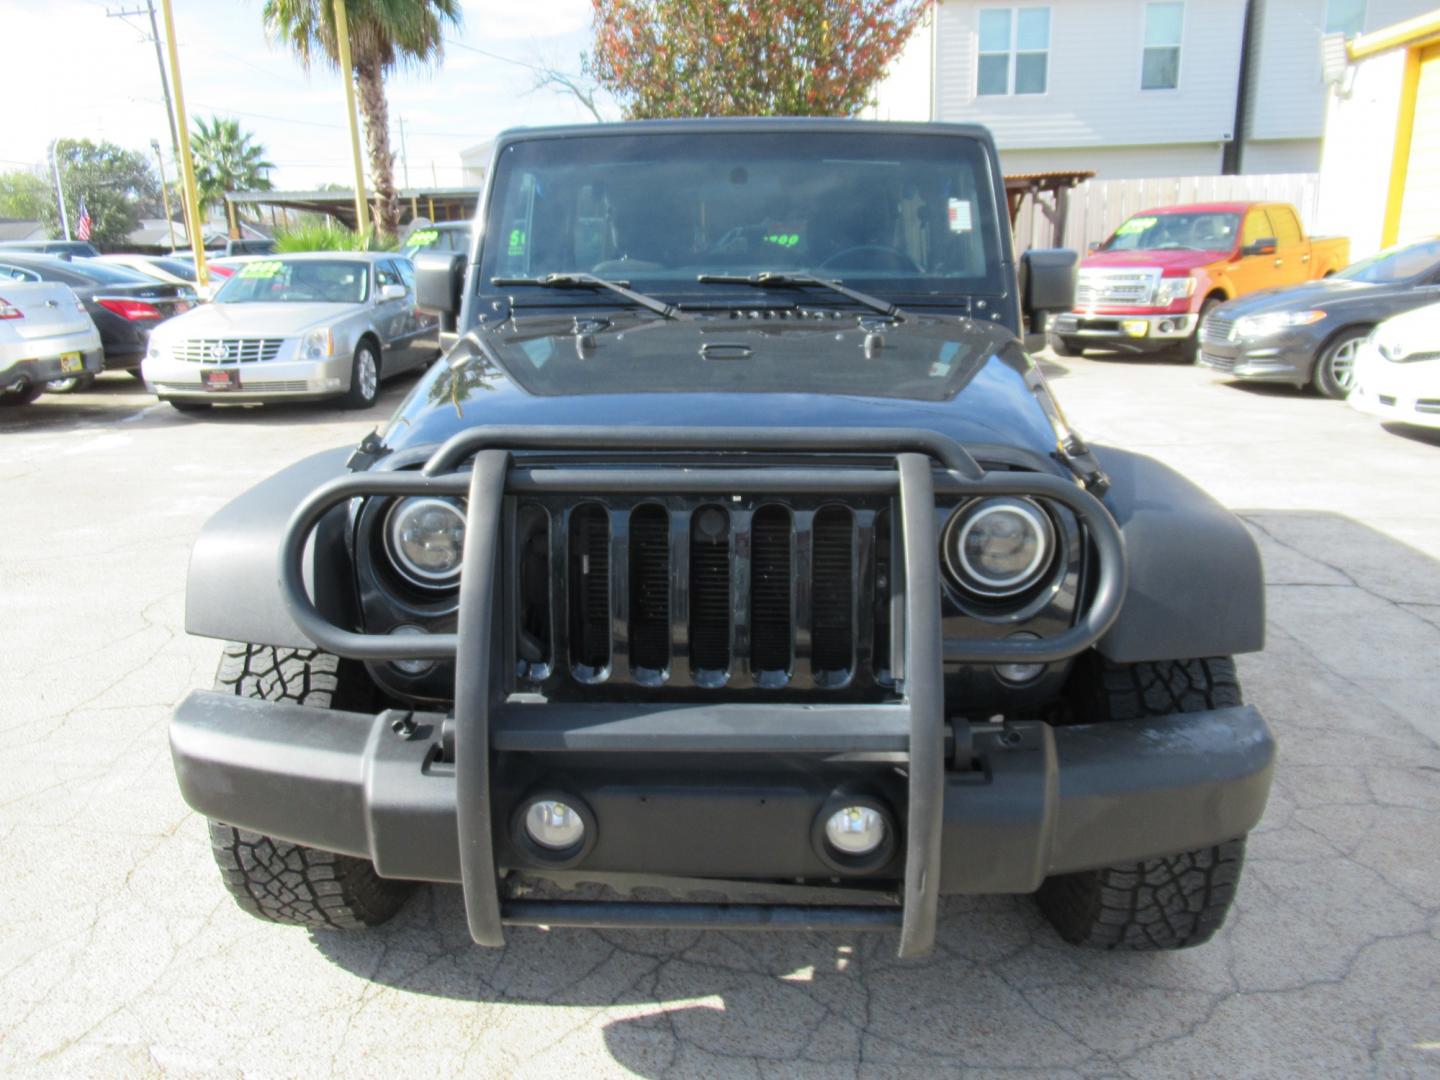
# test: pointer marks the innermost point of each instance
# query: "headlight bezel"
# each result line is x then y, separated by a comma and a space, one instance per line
976, 585
1253, 327
1169, 290
410, 572
318, 344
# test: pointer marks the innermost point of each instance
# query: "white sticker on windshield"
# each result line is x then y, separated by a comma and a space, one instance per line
960, 215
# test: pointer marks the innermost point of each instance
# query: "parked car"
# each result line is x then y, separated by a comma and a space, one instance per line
164, 268
1397, 369
45, 334
292, 327
124, 305
440, 236
1149, 286
241, 247
80, 249
1308, 335
732, 578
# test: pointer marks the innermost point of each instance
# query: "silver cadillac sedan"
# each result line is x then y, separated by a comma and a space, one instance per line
289, 327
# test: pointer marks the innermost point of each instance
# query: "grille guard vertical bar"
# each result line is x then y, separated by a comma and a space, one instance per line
925, 693
475, 619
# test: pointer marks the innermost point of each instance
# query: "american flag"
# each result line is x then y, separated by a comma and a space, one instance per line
82, 227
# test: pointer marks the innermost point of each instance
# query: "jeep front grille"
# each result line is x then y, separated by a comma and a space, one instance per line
697, 592
227, 350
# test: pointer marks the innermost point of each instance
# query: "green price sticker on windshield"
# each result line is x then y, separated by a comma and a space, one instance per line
266, 268
517, 242
785, 240
423, 237
1135, 225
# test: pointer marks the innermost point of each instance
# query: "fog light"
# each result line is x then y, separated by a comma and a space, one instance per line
554, 825
411, 667
1166, 326
1135, 327
1018, 674
855, 830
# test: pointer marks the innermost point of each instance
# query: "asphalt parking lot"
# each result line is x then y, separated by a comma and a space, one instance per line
121, 956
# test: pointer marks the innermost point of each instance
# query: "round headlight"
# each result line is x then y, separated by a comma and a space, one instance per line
426, 539
999, 547
554, 825
855, 830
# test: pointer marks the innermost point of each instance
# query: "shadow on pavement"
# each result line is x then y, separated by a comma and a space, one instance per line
1413, 433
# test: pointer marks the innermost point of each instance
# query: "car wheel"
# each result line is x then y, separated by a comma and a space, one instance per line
1335, 367
1065, 347
75, 384
275, 879
1191, 347
364, 377
24, 396
1174, 901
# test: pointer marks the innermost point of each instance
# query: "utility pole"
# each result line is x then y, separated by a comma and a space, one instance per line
149, 10
347, 73
164, 192
59, 191
404, 159
197, 241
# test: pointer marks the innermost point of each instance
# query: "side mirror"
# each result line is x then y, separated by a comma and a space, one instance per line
439, 280
1265, 246
1047, 284
393, 291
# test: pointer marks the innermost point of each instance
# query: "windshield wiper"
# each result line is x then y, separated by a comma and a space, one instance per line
578, 280
776, 280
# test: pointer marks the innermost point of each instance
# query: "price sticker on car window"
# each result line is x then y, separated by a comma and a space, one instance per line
266, 268
960, 215
1135, 225
423, 237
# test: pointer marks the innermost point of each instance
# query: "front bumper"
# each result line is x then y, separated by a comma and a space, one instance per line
28, 362
259, 381
1405, 393
1283, 358
1130, 333
680, 790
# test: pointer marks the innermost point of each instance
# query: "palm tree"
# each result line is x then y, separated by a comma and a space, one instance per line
226, 160
384, 34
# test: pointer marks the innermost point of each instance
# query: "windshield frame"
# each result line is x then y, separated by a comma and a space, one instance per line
339, 257
682, 288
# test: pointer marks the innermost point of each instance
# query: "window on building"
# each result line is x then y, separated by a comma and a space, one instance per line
1014, 55
1160, 66
1345, 17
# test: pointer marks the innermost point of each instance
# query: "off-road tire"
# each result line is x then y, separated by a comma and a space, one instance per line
1174, 901
1067, 348
274, 879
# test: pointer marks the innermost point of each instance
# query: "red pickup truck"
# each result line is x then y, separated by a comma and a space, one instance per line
1149, 286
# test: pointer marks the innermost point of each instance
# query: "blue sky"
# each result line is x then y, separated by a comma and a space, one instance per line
100, 81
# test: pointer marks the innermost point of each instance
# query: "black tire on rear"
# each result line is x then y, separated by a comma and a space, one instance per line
274, 879
1170, 902
1066, 347
1191, 346
21, 397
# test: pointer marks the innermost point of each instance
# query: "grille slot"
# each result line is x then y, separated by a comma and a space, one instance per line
832, 639
650, 588
590, 592
770, 617
1215, 330
709, 593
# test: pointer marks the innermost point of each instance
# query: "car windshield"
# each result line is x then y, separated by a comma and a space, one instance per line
296, 281
901, 215
1396, 263
1198, 231
176, 267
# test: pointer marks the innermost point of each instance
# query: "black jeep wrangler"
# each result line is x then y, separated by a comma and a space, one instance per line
736, 568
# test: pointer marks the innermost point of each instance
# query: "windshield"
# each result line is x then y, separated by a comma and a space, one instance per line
175, 266
1208, 231
899, 215
296, 281
1396, 263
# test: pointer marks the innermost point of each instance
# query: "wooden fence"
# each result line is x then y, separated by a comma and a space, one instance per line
1098, 206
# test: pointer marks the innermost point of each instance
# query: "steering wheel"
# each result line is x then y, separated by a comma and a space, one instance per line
871, 257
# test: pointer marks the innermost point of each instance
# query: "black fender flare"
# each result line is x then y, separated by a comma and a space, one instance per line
1196, 586
233, 586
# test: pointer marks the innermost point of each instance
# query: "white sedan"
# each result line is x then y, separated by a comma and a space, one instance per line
45, 334
1397, 369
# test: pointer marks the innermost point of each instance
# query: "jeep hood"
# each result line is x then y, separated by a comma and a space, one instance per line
959, 377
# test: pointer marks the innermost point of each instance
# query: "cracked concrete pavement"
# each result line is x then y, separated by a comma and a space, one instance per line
121, 956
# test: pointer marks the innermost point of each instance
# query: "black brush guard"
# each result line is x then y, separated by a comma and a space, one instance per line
923, 463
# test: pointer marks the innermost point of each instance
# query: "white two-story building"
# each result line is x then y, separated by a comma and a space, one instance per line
1130, 88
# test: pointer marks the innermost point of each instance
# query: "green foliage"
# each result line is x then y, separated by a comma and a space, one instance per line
226, 160
327, 236
116, 184
667, 58
23, 195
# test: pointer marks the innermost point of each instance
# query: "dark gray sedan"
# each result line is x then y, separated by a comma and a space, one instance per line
1308, 335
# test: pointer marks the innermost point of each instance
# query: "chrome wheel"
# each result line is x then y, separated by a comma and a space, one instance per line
367, 374
1342, 364
1335, 369
61, 386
